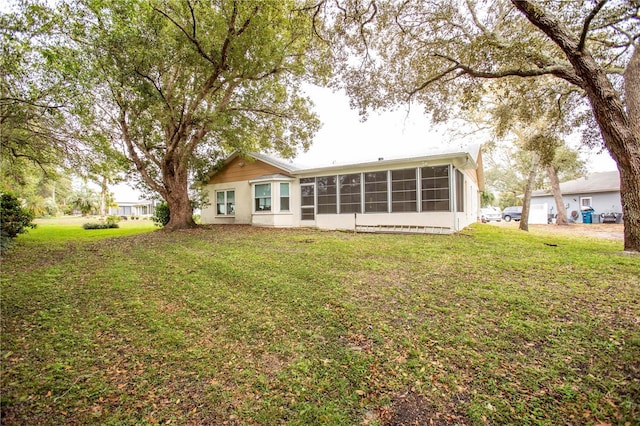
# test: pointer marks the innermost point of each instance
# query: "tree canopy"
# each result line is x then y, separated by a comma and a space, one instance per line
173, 85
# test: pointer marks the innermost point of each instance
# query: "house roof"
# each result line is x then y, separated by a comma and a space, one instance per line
471, 154
469, 158
287, 167
595, 182
275, 176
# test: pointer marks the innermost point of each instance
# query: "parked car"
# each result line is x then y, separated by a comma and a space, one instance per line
512, 213
490, 214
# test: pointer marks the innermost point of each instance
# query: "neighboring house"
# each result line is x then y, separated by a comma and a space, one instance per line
436, 193
601, 191
129, 202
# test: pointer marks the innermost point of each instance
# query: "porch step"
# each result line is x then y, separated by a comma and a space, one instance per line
404, 229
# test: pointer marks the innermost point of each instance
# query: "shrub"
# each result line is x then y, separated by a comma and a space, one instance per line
162, 215
14, 219
114, 218
106, 225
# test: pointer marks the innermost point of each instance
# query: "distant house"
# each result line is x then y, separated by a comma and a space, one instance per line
129, 202
601, 191
437, 193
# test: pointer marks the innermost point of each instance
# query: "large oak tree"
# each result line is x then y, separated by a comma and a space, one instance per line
438, 53
174, 84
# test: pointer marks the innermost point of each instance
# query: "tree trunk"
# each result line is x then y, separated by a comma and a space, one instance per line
103, 196
619, 128
175, 179
561, 216
526, 203
630, 176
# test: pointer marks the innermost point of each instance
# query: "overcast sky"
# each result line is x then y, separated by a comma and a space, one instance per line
344, 138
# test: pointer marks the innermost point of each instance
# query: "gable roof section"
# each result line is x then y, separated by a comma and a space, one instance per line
595, 182
239, 168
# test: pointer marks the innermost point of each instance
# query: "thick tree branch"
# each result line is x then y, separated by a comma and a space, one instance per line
432, 80
552, 28
587, 23
560, 71
135, 158
191, 38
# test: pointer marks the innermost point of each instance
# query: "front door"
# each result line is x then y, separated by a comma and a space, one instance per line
308, 199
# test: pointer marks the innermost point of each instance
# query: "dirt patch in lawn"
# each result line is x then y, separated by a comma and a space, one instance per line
610, 231
411, 409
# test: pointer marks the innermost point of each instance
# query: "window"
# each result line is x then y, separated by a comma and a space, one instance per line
326, 187
435, 188
585, 202
403, 190
307, 199
284, 197
350, 193
225, 203
263, 197
375, 192
459, 191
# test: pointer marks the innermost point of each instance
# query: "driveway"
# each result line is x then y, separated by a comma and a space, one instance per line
611, 231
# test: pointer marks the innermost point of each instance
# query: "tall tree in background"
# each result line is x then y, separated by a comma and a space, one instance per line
438, 53
174, 82
33, 95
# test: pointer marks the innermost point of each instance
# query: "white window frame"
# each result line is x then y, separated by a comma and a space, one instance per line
226, 202
270, 211
288, 196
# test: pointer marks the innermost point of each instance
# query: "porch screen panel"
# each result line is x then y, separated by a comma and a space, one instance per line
435, 189
376, 190
327, 201
350, 193
404, 193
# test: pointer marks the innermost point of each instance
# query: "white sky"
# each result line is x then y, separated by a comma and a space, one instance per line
344, 138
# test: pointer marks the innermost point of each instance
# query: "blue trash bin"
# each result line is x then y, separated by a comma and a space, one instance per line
586, 216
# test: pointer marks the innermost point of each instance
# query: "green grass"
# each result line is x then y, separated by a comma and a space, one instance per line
69, 228
261, 326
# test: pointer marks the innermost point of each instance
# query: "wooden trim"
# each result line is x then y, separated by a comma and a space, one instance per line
241, 169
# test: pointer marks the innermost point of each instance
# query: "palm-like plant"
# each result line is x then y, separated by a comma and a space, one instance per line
85, 200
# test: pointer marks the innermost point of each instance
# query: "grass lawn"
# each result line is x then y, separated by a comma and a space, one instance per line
240, 325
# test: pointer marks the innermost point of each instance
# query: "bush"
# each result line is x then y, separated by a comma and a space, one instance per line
14, 219
114, 218
106, 225
162, 215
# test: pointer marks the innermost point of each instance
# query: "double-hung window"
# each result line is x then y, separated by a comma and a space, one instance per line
284, 196
459, 191
262, 197
225, 203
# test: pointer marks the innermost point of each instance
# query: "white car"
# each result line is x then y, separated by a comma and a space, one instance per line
489, 214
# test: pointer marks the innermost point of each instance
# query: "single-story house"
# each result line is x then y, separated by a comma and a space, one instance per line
130, 202
437, 193
600, 191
